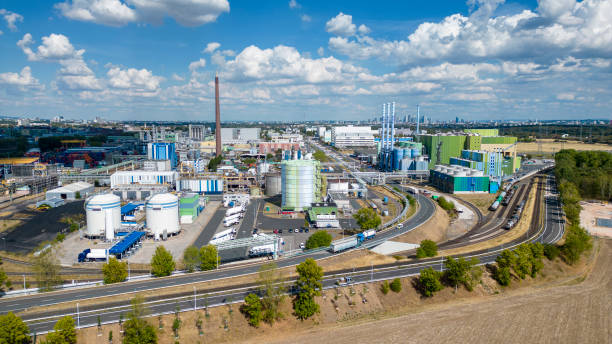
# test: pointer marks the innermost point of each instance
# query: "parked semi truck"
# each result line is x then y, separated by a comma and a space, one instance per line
93, 255
261, 250
235, 210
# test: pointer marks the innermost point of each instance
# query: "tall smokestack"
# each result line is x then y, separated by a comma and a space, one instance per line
218, 149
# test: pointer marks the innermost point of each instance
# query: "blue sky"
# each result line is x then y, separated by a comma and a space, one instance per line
285, 60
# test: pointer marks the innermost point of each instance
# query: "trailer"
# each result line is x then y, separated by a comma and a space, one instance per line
225, 235
345, 244
93, 255
262, 250
412, 190
367, 235
234, 210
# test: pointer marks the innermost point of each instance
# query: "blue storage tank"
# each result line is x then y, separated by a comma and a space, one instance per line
407, 153
398, 154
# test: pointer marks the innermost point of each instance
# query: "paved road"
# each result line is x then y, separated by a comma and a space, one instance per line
551, 232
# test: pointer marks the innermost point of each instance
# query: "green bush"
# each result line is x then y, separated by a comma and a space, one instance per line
502, 275
396, 285
252, 309
551, 251
428, 248
429, 282
385, 287
446, 205
60, 237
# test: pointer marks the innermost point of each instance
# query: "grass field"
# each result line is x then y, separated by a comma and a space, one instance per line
550, 147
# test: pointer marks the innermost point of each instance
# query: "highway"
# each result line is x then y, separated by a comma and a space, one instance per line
547, 228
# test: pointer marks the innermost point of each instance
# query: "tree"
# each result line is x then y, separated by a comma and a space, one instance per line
308, 286
523, 262
13, 329
162, 262
77, 195
252, 309
136, 329
191, 258
4, 278
577, 241
176, 326
64, 332
318, 239
429, 282
272, 290
457, 271
502, 275
320, 155
46, 269
209, 257
445, 204
428, 248
396, 285
114, 271
367, 218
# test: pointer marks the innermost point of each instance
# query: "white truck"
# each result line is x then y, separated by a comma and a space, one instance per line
231, 220
93, 255
261, 250
235, 210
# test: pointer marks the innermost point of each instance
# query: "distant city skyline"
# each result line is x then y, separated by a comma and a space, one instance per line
298, 60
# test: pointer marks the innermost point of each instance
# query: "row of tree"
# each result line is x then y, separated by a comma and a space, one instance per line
589, 171
163, 264
14, 331
457, 272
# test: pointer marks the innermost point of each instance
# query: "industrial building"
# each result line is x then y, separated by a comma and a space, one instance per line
189, 207
459, 179
442, 147
71, 191
157, 165
273, 147
162, 151
143, 177
208, 186
350, 136
239, 135
493, 164
300, 183
324, 215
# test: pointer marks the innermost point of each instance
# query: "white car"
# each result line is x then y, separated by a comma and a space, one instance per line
302, 246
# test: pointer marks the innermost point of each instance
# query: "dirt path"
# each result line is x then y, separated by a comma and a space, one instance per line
571, 313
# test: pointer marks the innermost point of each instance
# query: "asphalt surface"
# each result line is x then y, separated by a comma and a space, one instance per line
552, 231
211, 227
41, 227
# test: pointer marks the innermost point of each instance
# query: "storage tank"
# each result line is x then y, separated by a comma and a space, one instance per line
162, 215
299, 183
273, 184
103, 213
263, 168
398, 154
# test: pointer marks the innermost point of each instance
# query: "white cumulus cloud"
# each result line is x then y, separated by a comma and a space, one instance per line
119, 13
24, 79
11, 18
211, 47
201, 63
136, 81
341, 25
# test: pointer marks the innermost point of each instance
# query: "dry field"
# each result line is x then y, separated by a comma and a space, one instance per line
550, 147
435, 229
593, 210
566, 304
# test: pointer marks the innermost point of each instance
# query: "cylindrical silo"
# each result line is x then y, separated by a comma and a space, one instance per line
103, 213
162, 215
398, 154
298, 183
273, 184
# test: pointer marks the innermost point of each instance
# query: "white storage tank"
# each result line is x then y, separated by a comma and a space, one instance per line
162, 215
103, 213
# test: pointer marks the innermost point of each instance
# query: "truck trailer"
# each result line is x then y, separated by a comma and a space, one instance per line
93, 255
